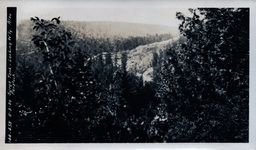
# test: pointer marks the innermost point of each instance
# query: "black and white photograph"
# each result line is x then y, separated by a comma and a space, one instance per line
127, 72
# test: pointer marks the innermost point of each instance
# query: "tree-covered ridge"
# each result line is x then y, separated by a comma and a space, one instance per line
199, 91
100, 40
103, 29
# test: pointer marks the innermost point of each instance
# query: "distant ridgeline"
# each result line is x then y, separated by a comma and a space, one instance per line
98, 37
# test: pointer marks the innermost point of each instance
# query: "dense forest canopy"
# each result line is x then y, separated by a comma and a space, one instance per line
68, 91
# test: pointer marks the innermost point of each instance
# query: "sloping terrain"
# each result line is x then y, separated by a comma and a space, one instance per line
101, 29
139, 60
117, 29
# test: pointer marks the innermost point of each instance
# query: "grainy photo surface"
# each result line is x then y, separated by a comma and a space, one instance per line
99, 77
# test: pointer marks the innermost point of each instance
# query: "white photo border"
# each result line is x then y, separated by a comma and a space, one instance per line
22, 4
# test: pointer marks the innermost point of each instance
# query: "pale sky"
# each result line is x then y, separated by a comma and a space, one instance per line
162, 13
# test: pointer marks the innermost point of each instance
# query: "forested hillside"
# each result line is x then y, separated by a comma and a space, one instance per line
71, 87
98, 37
102, 29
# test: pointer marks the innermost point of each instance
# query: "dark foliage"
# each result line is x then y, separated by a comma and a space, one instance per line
205, 81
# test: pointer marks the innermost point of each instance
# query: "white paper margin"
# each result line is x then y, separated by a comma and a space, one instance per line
110, 3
